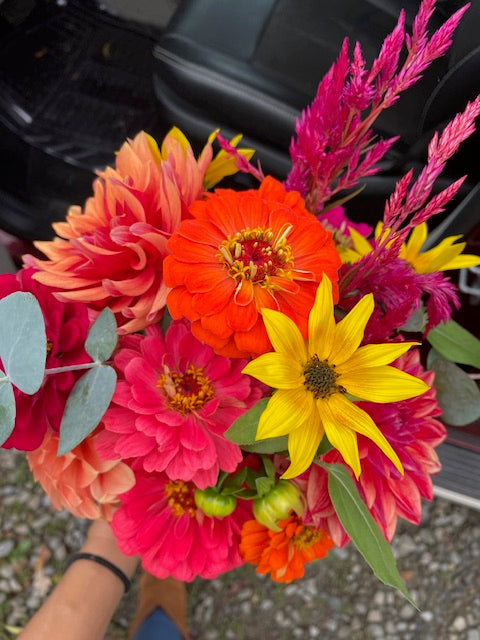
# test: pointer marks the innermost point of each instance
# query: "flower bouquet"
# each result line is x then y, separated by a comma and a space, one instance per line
233, 376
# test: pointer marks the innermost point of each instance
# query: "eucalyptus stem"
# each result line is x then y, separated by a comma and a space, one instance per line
72, 367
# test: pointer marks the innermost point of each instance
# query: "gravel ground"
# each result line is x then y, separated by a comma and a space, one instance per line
339, 598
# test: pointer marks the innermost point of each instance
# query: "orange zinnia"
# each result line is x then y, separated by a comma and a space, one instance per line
284, 553
244, 251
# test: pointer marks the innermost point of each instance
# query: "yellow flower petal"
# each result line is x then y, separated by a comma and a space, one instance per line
302, 447
321, 321
361, 245
346, 413
462, 262
285, 411
415, 242
382, 384
349, 331
224, 164
341, 436
154, 150
180, 137
374, 355
276, 370
284, 335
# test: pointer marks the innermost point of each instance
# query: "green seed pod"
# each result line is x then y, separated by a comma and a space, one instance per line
278, 503
214, 504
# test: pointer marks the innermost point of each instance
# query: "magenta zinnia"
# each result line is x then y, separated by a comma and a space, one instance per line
160, 521
173, 402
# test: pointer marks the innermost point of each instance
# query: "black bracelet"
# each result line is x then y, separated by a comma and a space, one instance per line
104, 563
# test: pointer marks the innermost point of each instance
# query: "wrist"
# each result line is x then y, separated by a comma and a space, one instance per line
101, 542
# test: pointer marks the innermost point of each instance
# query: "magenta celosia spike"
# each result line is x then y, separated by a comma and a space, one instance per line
241, 162
334, 133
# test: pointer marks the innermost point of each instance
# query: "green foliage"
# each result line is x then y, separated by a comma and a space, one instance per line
7, 409
457, 394
244, 429
455, 343
23, 342
362, 528
86, 404
102, 337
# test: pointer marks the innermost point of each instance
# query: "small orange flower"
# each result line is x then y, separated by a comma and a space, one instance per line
284, 553
244, 251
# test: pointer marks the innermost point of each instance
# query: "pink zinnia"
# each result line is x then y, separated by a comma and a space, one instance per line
159, 521
174, 400
412, 428
80, 481
111, 254
66, 327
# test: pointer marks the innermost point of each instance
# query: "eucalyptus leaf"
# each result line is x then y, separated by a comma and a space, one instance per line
86, 404
244, 429
457, 394
102, 337
7, 410
269, 445
23, 342
455, 343
362, 528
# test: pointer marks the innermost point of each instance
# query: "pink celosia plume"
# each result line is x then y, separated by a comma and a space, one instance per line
335, 144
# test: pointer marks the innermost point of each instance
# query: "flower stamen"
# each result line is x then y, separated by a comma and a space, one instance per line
186, 392
181, 497
320, 378
257, 255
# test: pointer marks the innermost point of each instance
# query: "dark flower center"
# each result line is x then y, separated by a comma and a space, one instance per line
321, 378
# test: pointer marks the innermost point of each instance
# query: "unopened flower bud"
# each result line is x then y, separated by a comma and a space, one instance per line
278, 503
214, 504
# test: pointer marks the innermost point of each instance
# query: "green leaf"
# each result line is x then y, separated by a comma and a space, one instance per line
102, 337
455, 343
324, 446
244, 429
457, 394
362, 528
269, 467
7, 410
264, 485
269, 445
86, 404
23, 342
416, 322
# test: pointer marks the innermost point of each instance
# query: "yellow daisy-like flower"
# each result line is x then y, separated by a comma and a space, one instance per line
444, 257
315, 378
